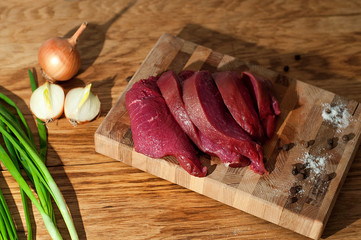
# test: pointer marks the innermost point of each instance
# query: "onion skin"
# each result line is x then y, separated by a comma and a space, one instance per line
58, 57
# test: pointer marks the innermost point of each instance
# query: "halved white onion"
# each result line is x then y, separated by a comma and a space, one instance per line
47, 102
81, 105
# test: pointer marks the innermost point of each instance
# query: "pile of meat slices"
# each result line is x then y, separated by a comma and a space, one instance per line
225, 114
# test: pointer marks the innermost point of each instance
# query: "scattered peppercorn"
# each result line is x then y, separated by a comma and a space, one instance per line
286, 68
299, 166
294, 171
286, 147
297, 57
330, 143
306, 173
325, 178
345, 138
311, 142
292, 200
329, 146
328, 111
295, 189
128, 78
332, 175
300, 177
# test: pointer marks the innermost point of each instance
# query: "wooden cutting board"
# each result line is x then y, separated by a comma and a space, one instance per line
267, 197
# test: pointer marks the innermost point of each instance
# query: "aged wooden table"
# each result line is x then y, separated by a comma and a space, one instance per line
110, 200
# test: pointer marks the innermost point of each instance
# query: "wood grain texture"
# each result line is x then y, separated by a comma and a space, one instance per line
135, 204
267, 197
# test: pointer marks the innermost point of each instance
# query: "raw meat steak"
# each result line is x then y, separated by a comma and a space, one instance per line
268, 108
207, 111
155, 132
239, 102
169, 85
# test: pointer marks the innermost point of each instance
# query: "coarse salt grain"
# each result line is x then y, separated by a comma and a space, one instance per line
316, 164
336, 115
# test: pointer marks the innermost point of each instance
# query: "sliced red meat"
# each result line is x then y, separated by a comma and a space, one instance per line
239, 102
183, 75
267, 104
155, 132
169, 85
207, 111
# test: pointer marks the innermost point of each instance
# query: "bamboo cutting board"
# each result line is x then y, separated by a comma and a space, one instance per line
267, 197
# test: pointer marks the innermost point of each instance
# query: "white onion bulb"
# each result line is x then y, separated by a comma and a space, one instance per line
47, 102
81, 105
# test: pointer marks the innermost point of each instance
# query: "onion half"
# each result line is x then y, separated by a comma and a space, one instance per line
81, 105
47, 102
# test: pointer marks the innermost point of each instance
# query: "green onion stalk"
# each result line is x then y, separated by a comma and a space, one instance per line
22, 149
7, 227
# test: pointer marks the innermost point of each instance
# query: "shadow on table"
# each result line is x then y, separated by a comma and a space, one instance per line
67, 190
312, 66
347, 209
59, 176
91, 41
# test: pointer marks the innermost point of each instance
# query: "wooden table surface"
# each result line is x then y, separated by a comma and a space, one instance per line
110, 200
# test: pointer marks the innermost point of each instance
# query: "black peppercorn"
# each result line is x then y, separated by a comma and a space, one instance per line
301, 177
293, 199
328, 111
128, 78
286, 68
297, 57
329, 146
325, 177
345, 138
286, 147
293, 191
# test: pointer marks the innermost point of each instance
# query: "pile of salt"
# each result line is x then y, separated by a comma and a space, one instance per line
315, 164
336, 115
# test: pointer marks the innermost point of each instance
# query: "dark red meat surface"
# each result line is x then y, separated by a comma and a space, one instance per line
170, 87
239, 102
155, 131
268, 108
207, 111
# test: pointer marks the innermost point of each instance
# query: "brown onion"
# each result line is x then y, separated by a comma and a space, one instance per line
58, 57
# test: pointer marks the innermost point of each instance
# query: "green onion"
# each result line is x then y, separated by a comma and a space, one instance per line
33, 162
53, 231
44, 197
7, 228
